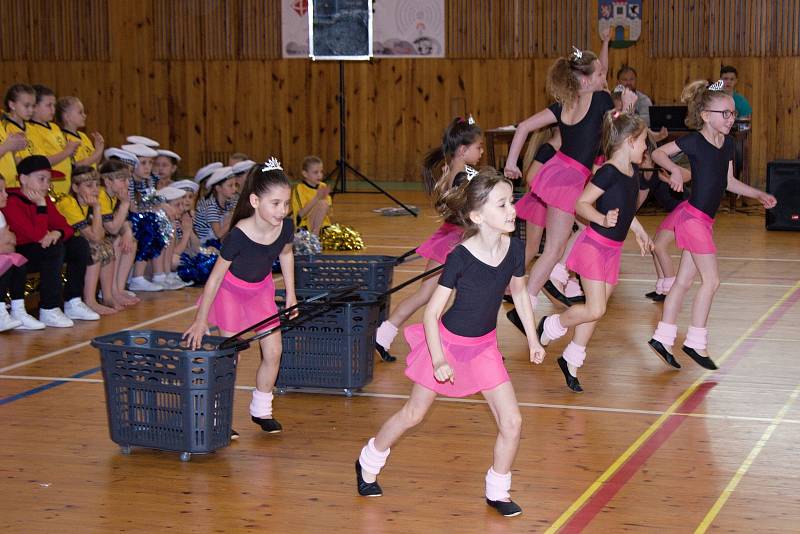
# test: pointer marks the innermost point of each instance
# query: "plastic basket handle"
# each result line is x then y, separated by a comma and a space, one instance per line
404, 257
237, 340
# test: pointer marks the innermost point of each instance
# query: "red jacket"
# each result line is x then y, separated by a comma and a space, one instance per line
30, 222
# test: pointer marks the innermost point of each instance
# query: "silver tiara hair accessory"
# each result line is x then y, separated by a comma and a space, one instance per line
619, 89
716, 86
576, 53
272, 164
471, 173
470, 120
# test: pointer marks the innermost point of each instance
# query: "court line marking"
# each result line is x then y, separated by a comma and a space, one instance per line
748, 461
399, 396
45, 387
648, 281
642, 447
86, 343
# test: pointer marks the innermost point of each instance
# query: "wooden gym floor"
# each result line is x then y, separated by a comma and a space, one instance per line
643, 449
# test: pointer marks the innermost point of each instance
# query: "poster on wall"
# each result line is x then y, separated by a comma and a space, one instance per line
623, 18
340, 29
401, 28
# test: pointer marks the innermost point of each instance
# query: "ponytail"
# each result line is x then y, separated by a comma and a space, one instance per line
617, 127
697, 96
258, 182
458, 203
563, 82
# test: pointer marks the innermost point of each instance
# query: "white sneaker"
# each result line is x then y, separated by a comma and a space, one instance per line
55, 317
178, 280
77, 309
143, 284
6, 321
165, 282
26, 321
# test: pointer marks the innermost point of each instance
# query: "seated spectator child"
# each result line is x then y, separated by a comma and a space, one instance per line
237, 157
165, 166
9, 261
115, 207
311, 200
173, 208
71, 117
185, 238
18, 104
47, 139
81, 208
213, 216
47, 242
240, 171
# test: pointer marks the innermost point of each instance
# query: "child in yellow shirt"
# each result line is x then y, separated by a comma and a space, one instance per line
47, 139
71, 117
18, 104
311, 200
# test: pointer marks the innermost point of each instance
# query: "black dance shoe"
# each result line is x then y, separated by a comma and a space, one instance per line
366, 489
652, 295
572, 381
385, 356
660, 297
555, 294
234, 434
702, 361
270, 426
513, 316
540, 332
666, 356
508, 298
506, 509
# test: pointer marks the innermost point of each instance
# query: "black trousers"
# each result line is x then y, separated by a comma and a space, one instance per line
47, 262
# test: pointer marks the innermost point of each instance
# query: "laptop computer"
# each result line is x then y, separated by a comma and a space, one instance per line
670, 117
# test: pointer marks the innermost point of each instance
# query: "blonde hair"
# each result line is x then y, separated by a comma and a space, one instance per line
617, 127
563, 77
308, 161
697, 97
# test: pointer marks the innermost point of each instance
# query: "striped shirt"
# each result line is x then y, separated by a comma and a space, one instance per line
208, 211
144, 188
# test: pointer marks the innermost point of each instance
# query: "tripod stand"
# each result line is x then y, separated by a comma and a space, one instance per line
342, 165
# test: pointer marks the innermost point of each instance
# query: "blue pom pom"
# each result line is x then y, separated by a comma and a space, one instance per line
196, 268
148, 231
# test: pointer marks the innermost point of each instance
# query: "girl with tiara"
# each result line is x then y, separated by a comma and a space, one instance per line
456, 354
240, 291
609, 203
710, 151
462, 145
576, 84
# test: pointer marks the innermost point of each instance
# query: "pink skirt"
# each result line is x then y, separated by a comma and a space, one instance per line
441, 243
560, 182
240, 304
595, 257
11, 259
476, 361
530, 208
693, 228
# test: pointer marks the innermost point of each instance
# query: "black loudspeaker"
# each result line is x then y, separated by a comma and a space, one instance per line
783, 181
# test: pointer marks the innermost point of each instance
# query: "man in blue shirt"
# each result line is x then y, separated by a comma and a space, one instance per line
729, 78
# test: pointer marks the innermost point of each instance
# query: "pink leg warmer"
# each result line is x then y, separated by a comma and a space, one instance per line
660, 286
261, 405
372, 460
575, 354
559, 274
385, 334
696, 338
573, 288
552, 327
667, 285
497, 485
666, 333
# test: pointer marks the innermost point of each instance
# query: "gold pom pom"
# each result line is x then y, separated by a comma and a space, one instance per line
339, 237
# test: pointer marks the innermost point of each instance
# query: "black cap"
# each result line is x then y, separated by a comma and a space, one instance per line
37, 163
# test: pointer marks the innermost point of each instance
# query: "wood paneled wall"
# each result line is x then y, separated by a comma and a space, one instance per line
209, 93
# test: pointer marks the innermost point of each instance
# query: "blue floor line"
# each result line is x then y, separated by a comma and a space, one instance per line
45, 387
